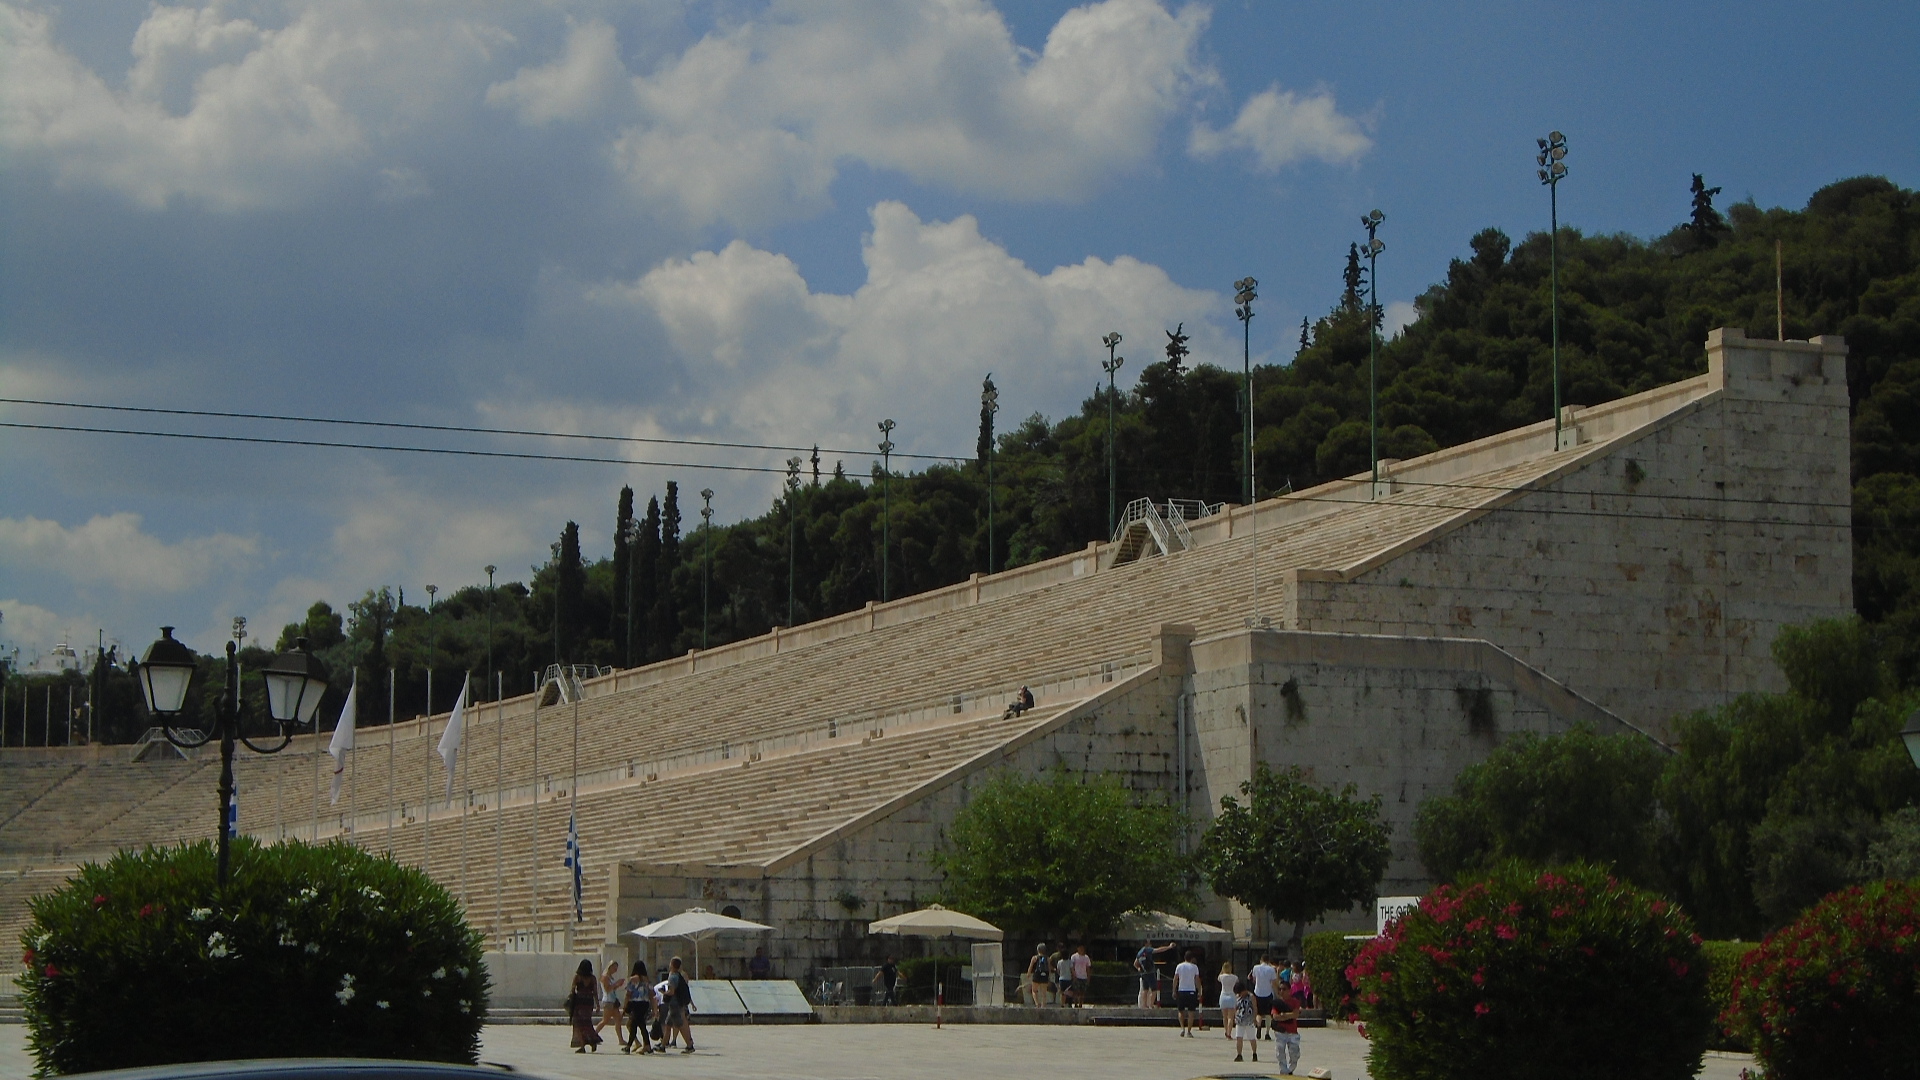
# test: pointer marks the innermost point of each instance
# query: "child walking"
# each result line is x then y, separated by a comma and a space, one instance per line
1245, 1027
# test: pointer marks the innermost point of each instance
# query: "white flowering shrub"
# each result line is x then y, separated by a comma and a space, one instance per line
309, 951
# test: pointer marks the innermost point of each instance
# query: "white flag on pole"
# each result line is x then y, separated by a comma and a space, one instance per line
343, 735
450, 738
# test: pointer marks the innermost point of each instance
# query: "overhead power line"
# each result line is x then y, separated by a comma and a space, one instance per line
460, 430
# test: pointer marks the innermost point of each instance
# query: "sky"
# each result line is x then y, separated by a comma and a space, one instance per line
764, 223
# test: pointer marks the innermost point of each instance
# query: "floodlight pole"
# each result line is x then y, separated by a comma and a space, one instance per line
1244, 295
793, 496
1552, 163
706, 557
1112, 365
989, 404
886, 499
1371, 222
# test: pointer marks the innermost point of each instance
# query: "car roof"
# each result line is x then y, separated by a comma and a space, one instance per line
305, 1069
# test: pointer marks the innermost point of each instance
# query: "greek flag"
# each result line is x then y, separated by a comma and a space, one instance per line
573, 863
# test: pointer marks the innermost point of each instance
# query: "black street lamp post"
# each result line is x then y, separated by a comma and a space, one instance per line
793, 500
296, 681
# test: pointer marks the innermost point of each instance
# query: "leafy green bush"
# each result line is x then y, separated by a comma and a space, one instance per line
308, 951
1836, 992
1328, 956
1723, 959
1562, 974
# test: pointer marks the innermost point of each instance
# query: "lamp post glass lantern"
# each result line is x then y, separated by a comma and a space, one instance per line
296, 681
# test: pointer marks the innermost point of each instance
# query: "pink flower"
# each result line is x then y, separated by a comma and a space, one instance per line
52, 972
1504, 932
99, 899
1481, 1009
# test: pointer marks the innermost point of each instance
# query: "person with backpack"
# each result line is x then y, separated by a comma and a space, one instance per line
639, 1007
679, 1004
1039, 973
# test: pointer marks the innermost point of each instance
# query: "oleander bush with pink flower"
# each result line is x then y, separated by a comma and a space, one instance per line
307, 951
1531, 974
1837, 991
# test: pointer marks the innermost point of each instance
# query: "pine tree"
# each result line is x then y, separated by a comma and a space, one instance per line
1706, 223
569, 597
666, 606
1303, 335
646, 586
619, 614
1177, 349
1355, 278
984, 444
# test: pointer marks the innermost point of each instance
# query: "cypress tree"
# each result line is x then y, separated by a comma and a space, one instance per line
619, 614
570, 597
646, 586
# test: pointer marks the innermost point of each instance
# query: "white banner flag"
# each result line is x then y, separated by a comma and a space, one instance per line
343, 734
450, 738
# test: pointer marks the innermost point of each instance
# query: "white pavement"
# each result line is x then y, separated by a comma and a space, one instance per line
903, 1052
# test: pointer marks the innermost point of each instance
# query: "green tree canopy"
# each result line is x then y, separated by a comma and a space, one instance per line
1062, 853
1549, 800
1294, 849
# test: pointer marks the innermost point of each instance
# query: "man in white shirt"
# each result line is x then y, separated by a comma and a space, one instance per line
1186, 992
1082, 967
1263, 976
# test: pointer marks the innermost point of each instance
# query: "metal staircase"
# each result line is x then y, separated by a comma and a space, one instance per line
1148, 528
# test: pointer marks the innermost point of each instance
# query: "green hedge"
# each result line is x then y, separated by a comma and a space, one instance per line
1723, 959
1328, 955
1529, 974
309, 951
1837, 991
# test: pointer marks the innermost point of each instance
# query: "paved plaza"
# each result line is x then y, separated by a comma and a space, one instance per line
905, 1052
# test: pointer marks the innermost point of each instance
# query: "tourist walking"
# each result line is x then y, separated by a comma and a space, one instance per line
1081, 965
1062, 977
1263, 976
1286, 1029
1145, 962
639, 1011
1246, 1028
612, 986
1039, 974
582, 1002
1229, 998
1303, 987
1186, 993
679, 1004
887, 977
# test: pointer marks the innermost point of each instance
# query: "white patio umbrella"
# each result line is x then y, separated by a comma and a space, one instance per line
936, 921
696, 925
1166, 926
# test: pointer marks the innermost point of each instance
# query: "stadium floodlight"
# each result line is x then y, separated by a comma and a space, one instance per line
706, 557
296, 681
886, 499
1245, 292
1372, 222
989, 405
1552, 170
1110, 366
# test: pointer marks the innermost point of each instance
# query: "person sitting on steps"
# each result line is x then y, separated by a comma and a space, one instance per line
1020, 704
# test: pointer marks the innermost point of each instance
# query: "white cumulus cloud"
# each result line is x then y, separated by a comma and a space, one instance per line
113, 550
1280, 128
584, 78
750, 123
941, 306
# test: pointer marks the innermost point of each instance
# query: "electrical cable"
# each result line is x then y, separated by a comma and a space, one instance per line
454, 429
